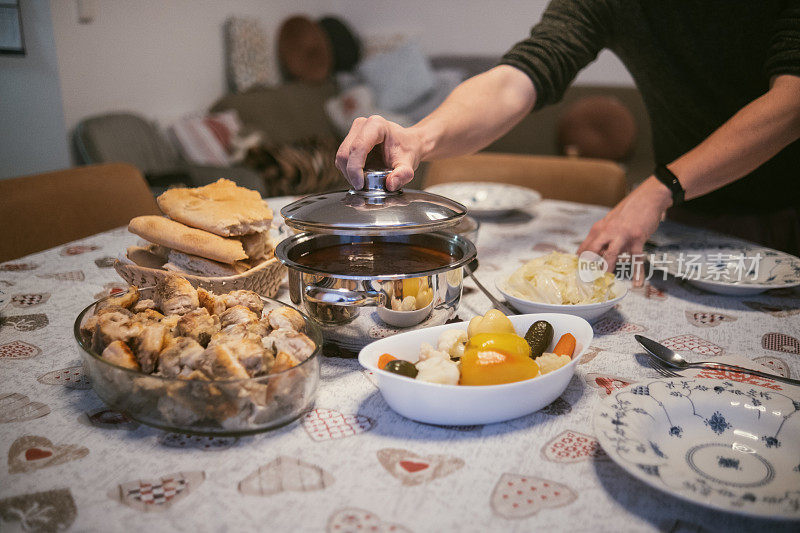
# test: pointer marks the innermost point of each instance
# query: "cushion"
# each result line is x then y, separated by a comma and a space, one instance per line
398, 77
207, 140
346, 47
597, 126
304, 50
358, 101
250, 55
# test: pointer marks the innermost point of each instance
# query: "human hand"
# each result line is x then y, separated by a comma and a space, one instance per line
626, 227
402, 150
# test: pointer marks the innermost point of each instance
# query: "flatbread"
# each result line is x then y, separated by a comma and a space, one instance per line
200, 266
176, 236
257, 246
222, 208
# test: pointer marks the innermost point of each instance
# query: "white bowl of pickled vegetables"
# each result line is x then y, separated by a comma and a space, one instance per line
478, 372
552, 283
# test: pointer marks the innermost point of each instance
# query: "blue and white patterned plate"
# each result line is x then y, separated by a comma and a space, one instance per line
733, 268
726, 445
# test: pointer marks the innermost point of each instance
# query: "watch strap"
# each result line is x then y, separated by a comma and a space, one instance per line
670, 180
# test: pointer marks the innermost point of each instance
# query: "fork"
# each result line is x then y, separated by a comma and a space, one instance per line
659, 367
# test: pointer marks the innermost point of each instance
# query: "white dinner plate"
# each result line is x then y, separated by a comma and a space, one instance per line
484, 198
717, 443
460, 405
734, 269
590, 312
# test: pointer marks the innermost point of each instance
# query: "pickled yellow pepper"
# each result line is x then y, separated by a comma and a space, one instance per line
495, 358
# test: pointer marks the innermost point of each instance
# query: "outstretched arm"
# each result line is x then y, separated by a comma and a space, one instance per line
751, 137
479, 111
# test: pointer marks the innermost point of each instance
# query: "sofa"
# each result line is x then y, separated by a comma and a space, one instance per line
295, 111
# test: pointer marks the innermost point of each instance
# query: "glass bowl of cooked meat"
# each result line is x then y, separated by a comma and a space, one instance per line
189, 360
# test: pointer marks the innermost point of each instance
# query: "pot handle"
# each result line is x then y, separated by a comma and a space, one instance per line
340, 297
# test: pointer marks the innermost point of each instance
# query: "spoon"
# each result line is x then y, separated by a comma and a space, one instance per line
675, 360
506, 309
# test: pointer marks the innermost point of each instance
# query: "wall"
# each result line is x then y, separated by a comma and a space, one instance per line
164, 58
472, 27
32, 134
160, 58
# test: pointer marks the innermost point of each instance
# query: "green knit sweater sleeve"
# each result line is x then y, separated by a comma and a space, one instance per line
784, 46
569, 37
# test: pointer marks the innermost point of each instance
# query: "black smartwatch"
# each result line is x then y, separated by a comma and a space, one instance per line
670, 180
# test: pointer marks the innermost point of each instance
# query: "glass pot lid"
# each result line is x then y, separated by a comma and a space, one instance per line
373, 210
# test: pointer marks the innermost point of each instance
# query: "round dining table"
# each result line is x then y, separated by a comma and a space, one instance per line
351, 463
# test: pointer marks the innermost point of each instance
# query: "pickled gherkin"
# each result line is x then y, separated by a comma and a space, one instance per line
539, 337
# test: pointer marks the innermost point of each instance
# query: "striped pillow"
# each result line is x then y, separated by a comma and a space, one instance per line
206, 140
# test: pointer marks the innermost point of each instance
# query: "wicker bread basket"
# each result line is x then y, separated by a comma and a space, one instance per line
264, 279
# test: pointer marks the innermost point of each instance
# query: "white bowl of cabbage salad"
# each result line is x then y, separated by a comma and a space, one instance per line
551, 284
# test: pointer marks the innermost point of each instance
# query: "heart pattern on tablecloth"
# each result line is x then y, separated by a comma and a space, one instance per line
413, 469
572, 447
73, 275
105, 262
25, 322
111, 288
589, 355
610, 326
650, 292
328, 424
352, 520
18, 267
707, 319
78, 249
285, 474
780, 342
31, 452
71, 377
693, 343
16, 407
204, 443
29, 299
108, 419
606, 383
52, 510
519, 496
778, 311
18, 350
774, 364
157, 494
557, 407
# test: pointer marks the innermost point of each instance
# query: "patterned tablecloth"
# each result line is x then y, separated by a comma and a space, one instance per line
352, 464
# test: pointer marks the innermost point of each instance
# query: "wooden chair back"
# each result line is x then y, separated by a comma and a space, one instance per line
44, 210
587, 181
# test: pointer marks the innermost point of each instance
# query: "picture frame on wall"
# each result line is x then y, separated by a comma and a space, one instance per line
12, 41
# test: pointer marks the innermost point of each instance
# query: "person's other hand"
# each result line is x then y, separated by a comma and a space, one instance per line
402, 149
626, 227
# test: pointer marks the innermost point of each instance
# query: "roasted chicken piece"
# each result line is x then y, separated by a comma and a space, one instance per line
120, 354
214, 304
198, 325
148, 344
143, 305
238, 314
219, 362
246, 346
287, 318
248, 299
148, 316
175, 296
126, 300
291, 342
114, 326
182, 357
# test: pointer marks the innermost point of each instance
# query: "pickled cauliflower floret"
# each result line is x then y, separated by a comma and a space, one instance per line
438, 370
452, 341
549, 361
426, 351
409, 303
